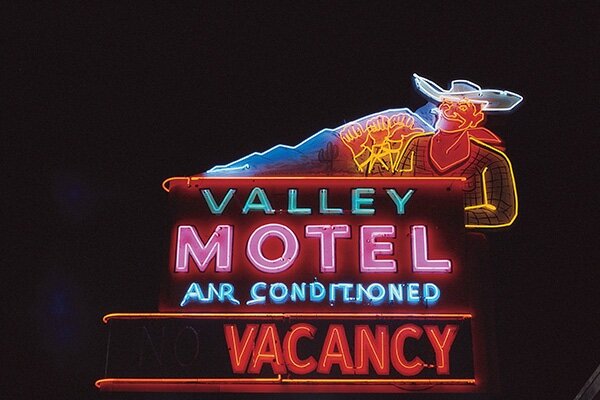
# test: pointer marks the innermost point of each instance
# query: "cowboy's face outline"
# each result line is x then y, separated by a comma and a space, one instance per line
457, 116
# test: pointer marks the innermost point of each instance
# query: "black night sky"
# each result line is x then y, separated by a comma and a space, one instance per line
101, 102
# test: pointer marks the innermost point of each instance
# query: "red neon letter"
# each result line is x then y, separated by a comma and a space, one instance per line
420, 254
442, 343
335, 351
268, 350
327, 234
370, 248
190, 244
290, 349
376, 349
290, 248
400, 363
240, 350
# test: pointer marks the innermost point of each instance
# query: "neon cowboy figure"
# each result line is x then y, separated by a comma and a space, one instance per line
399, 142
460, 146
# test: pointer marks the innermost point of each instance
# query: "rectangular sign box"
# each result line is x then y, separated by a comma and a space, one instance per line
294, 284
285, 352
316, 244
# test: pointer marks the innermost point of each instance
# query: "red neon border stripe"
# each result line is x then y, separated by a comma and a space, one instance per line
203, 381
111, 316
189, 179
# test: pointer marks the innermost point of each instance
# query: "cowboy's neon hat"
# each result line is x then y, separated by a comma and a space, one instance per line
492, 99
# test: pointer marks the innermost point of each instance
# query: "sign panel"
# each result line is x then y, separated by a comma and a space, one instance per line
295, 349
347, 263
316, 245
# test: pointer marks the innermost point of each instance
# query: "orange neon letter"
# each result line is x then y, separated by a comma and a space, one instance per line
267, 350
403, 366
442, 343
240, 350
290, 349
375, 349
336, 351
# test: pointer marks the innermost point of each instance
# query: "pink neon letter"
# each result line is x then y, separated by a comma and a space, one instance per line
190, 244
327, 234
420, 260
290, 248
369, 248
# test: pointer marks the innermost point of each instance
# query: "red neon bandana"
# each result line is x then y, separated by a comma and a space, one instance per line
450, 149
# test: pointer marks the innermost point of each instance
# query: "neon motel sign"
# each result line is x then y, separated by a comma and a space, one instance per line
347, 262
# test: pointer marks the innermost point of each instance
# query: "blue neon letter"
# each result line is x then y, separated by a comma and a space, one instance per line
358, 202
324, 207
293, 204
216, 209
257, 298
412, 293
431, 294
399, 201
262, 205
